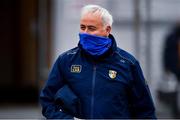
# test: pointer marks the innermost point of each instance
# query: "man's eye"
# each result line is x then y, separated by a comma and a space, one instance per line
92, 29
83, 28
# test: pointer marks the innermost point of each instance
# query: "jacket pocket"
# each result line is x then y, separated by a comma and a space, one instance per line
67, 100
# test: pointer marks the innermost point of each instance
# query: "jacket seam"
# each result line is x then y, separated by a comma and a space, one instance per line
133, 63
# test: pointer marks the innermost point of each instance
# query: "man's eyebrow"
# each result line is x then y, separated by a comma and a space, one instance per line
91, 26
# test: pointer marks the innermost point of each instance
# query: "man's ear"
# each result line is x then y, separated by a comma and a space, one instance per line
108, 29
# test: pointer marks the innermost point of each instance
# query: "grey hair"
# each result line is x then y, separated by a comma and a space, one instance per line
106, 16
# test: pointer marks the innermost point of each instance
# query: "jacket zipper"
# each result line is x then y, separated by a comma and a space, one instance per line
93, 87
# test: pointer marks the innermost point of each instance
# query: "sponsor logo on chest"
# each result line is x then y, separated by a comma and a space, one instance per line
76, 68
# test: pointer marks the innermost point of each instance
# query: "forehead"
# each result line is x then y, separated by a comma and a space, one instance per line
91, 18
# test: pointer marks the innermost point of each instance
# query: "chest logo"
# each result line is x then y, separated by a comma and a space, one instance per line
76, 68
112, 74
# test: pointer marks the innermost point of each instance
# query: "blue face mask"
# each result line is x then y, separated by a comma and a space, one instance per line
94, 45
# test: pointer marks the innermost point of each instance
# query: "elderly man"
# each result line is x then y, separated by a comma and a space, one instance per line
96, 80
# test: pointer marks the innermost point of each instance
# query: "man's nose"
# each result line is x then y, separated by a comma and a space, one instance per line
85, 30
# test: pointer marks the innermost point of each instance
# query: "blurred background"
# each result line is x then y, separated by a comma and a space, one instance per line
35, 32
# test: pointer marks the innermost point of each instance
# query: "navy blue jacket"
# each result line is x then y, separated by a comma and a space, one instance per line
110, 86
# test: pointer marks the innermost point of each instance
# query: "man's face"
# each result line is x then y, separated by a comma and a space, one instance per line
92, 24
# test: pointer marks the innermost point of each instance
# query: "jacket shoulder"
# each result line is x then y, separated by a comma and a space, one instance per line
68, 54
126, 56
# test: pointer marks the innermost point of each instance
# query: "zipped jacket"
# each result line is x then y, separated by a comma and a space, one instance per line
111, 86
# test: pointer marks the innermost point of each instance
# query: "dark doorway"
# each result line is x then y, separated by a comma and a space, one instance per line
18, 51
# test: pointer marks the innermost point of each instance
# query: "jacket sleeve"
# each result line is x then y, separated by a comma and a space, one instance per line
140, 96
55, 81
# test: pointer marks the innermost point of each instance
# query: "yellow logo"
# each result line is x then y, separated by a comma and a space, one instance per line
112, 74
76, 68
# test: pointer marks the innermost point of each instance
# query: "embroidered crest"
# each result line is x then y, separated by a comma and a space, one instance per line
112, 74
76, 68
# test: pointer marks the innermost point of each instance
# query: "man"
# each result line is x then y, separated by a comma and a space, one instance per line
96, 80
171, 63
171, 53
